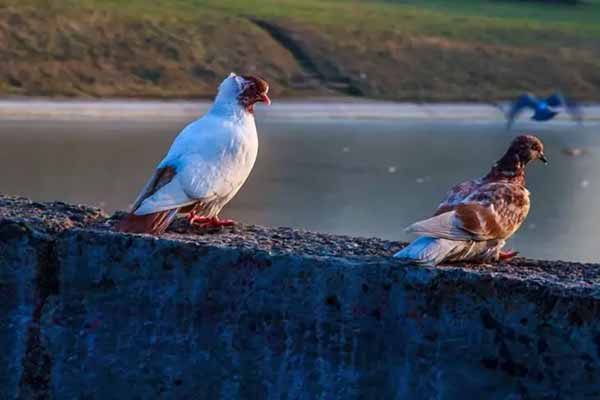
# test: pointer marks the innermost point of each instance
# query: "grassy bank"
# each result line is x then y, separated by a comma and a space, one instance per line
403, 50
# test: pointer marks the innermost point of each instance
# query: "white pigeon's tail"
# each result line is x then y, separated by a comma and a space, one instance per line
429, 250
154, 223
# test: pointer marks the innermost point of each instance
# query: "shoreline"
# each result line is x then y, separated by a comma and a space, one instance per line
313, 108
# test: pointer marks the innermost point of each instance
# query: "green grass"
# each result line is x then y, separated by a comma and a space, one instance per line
456, 18
493, 46
586, 13
410, 15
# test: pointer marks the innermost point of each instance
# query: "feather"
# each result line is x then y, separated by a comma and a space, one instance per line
433, 251
169, 196
480, 220
159, 178
457, 195
440, 226
428, 250
468, 221
155, 223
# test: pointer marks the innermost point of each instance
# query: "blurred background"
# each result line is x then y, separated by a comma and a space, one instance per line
379, 106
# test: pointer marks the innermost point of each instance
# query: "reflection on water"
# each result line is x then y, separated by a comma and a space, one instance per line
365, 178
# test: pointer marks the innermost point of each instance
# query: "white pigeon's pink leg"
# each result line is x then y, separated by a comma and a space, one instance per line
214, 222
506, 255
195, 219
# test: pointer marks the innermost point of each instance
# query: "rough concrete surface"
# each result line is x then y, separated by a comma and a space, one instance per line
276, 313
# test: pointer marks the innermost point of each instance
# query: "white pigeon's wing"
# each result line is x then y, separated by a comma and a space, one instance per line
168, 197
222, 158
468, 221
165, 189
219, 178
206, 167
159, 178
160, 193
146, 190
195, 180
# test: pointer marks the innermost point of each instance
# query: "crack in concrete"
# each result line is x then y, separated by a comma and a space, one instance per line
36, 371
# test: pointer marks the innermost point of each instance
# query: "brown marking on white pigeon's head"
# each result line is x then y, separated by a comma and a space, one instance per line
244, 91
252, 90
522, 150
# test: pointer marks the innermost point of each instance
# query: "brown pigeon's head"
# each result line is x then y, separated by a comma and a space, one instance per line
527, 148
253, 90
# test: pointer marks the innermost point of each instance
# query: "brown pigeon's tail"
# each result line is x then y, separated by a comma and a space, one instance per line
155, 223
430, 250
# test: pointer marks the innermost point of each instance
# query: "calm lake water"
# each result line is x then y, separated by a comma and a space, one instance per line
355, 177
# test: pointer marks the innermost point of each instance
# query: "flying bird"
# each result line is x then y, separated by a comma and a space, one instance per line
207, 163
544, 109
478, 216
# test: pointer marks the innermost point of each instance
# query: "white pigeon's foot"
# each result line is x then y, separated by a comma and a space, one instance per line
506, 255
208, 222
216, 222
194, 219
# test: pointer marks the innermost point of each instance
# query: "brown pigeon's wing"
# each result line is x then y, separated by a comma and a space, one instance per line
457, 195
468, 221
159, 178
495, 211
482, 221
439, 226
491, 211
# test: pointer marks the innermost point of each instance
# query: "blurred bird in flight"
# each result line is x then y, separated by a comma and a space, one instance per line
543, 109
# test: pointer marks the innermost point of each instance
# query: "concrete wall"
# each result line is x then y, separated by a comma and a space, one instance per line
254, 313
18, 264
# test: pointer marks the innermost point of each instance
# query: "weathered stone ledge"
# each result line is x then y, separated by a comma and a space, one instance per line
255, 312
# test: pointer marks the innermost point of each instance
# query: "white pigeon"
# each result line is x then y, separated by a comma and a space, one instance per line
207, 163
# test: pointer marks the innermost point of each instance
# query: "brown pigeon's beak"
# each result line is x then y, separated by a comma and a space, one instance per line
264, 98
543, 159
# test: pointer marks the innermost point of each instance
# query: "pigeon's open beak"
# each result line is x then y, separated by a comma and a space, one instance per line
543, 159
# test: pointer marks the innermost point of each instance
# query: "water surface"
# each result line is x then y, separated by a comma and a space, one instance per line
368, 177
